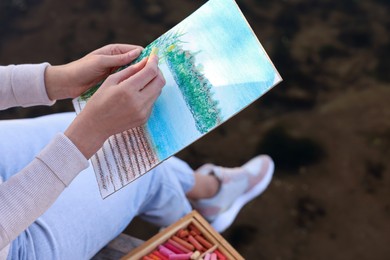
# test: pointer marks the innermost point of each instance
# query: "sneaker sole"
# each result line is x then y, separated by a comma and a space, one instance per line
225, 219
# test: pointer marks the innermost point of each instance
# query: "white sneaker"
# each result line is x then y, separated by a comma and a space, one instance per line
238, 186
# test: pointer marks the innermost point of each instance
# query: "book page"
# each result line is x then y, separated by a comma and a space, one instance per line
214, 67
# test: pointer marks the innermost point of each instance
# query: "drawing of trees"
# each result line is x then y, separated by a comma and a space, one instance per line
194, 86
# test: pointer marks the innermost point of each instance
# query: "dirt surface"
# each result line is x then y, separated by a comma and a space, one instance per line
327, 125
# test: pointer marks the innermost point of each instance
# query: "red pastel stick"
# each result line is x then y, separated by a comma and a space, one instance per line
195, 229
184, 233
220, 255
183, 243
195, 243
203, 241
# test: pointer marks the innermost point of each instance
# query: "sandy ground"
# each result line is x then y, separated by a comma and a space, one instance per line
327, 125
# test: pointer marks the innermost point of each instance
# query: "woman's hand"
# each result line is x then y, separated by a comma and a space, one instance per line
73, 79
124, 101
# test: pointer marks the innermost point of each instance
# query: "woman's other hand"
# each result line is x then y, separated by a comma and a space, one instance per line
73, 79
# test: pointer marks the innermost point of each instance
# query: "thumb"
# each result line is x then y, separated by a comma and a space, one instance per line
110, 61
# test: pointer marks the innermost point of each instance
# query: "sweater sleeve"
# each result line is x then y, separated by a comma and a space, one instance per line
29, 193
23, 85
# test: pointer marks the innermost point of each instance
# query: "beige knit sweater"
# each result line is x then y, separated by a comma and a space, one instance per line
30, 192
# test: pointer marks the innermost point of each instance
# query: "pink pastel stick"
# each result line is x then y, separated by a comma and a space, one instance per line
207, 257
213, 256
165, 251
173, 248
180, 256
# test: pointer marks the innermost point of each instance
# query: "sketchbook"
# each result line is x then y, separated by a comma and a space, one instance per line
214, 67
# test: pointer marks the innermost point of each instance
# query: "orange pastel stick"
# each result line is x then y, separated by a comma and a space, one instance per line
192, 232
146, 258
162, 257
178, 233
183, 233
153, 256
195, 243
183, 243
203, 241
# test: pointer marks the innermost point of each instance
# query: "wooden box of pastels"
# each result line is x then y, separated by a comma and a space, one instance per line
192, 237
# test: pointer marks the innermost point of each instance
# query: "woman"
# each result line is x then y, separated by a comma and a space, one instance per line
50, 205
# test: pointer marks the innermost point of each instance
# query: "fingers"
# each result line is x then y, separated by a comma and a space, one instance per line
135, 89
150, 93
110, 61
122, 75
114, 49
153, 89
146, 74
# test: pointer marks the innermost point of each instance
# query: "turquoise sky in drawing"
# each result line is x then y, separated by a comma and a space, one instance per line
232, 60
223, 36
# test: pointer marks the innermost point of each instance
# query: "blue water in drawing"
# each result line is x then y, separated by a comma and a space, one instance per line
171, 125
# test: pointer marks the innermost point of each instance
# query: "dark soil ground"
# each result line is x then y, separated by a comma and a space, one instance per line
327, 125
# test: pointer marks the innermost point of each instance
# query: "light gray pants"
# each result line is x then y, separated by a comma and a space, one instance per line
80, 222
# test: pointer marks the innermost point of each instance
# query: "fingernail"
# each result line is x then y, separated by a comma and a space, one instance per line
154, 51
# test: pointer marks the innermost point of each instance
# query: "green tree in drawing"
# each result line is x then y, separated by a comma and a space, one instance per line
194, 86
